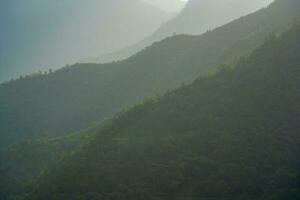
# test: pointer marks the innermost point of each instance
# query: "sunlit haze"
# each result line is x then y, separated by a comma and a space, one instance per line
149, 99
168, 5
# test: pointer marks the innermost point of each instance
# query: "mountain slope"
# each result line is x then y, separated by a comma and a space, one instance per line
37, 104
196, 18
36, 35
23, 164
231, 136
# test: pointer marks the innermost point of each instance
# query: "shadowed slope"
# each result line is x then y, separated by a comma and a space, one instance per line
75, 96
232, 136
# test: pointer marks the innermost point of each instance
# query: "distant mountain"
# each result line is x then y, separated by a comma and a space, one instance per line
235, 135
36, 35
72, 98
203, 15
196, 18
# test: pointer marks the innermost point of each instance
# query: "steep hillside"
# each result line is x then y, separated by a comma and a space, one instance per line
196, 18
37, 104
232, 136
36, 35
73, 97
24, 163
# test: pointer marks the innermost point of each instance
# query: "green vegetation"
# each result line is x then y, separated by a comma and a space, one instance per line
232, 136
24, 163
72, 98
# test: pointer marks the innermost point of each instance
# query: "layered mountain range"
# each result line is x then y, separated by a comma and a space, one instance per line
37, 104
197, 17
38, 35
233, 136
213, 116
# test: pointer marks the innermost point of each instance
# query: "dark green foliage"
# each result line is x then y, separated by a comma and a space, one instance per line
233, 136
22, 164
72, 98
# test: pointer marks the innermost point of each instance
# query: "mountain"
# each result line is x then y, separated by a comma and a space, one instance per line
37, 35
196, 18
24, 163
73, 97
234, 136
200, 16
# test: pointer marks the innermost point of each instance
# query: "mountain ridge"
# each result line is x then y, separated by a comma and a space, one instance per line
234, 135
37, 35
195, 18
36, 105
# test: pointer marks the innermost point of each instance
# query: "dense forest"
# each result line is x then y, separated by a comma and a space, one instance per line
22, 164
60, 102
234, 135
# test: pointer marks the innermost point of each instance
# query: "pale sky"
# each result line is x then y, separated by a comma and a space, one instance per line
168, 5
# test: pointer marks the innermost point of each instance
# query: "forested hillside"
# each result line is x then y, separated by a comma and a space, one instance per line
234, 136
69, 99
24, 163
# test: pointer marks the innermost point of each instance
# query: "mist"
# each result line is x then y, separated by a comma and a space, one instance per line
188, 100
168, 5
195, 18
38, 35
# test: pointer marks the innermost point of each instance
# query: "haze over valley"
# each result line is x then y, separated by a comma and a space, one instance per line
188, 100
39, 35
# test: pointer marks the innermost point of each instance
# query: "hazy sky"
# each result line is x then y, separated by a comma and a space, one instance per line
168, 5
177, 5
